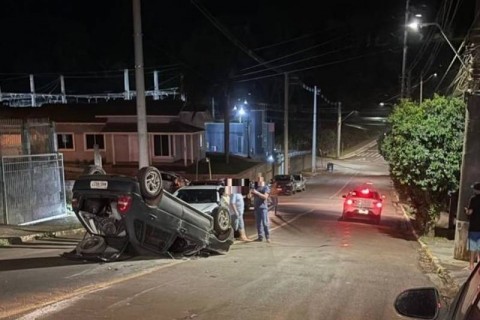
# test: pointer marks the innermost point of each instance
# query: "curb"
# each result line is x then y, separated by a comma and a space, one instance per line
441, 271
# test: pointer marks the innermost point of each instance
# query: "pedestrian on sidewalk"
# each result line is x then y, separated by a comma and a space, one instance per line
237, 207
260, 196
473, 212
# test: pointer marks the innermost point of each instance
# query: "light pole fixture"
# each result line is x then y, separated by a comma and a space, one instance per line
433, 75
209, 168
340, 121
417, 25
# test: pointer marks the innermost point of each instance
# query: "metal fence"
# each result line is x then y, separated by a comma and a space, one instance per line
32, 188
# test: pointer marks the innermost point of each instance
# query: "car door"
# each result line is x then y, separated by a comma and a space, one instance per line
466, 304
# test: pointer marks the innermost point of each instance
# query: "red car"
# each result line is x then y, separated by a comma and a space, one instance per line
363, 202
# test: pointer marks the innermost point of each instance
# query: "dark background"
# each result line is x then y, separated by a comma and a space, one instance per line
352, 50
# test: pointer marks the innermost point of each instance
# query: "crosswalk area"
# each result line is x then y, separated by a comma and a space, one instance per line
371, 155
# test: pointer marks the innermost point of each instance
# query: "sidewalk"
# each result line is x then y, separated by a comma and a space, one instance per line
67, 224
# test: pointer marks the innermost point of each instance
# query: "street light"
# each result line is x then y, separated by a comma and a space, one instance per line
417, 25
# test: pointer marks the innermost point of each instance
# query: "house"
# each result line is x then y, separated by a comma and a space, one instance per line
175, 132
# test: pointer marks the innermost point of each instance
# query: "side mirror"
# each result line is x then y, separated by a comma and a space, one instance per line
420, 303
383, 196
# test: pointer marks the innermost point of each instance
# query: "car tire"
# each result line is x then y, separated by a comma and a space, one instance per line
93, 169
344, 216
222, 223
91, 245
377, 219
150, 180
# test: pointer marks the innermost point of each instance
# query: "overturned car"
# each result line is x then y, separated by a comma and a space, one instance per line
137, 215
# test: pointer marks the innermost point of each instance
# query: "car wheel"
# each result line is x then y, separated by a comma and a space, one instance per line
92, 169
377, 219
221, 222
150, 180
344, 216
94, 244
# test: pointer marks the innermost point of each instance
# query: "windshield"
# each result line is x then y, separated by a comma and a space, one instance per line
197, 195
282, 178
297, 177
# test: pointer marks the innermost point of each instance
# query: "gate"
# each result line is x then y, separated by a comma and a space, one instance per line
32, 188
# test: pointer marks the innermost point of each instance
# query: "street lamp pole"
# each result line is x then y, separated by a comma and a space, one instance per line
339, 128
314, 131
405, 48
422, 82
416, 26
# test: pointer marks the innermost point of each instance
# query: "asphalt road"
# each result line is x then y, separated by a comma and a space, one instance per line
316, 267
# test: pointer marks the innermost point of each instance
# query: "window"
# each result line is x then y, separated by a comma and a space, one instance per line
65, 141
161, 145
92, 139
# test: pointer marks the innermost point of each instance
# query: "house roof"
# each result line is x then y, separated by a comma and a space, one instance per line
172, 127
88, 112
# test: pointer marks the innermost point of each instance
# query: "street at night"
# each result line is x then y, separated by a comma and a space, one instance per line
316, 267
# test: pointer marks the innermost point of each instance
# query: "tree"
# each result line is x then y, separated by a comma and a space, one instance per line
424, 148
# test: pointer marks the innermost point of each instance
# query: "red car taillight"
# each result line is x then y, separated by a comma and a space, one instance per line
349, 202
124, 203
378, 204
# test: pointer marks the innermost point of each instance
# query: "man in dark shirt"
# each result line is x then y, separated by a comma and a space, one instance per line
473, 211
260, 204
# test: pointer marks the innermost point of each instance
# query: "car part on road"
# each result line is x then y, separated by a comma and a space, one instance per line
92, 244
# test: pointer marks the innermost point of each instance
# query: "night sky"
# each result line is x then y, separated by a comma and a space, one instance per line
352, 50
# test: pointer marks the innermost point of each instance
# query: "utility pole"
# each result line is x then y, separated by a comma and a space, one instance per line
421, 87
226, 124
143, 157
314, 131
285, 126
405, 48
339, 128
470, 169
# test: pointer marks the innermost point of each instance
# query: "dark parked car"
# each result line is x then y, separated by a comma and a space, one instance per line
363, 202
121, 213
283, 184
425, 303
300, 182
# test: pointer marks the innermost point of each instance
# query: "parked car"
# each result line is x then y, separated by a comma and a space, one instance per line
120, 213
363, 202
300, 182
283, 184
425, 303
206, 198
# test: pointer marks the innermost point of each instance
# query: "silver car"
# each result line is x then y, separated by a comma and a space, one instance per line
300, 182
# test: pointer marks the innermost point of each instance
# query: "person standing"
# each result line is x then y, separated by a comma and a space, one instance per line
237, 207
260, 204
473, 212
